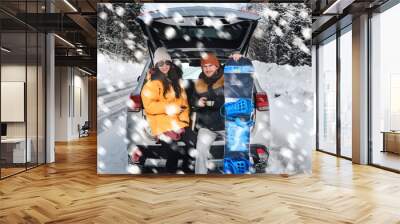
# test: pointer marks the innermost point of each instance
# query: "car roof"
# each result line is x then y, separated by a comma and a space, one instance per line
241, 24
203, 11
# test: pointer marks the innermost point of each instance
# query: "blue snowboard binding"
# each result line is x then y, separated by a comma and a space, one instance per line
242, 107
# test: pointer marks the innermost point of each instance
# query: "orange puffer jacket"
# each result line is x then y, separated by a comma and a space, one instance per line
164, 113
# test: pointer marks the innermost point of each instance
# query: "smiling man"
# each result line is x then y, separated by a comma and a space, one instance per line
208, 100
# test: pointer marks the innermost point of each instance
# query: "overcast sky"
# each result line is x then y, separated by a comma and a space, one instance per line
160, 6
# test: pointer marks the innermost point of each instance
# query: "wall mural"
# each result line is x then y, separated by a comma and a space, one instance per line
208, 88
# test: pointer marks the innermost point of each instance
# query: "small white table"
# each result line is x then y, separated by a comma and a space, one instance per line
18, 145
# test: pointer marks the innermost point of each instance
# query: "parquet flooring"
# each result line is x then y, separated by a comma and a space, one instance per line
10, 171
70, 191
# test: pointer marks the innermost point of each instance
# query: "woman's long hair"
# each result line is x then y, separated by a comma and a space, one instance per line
173, 77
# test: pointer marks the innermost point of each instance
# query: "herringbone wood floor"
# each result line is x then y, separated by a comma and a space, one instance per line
70, 191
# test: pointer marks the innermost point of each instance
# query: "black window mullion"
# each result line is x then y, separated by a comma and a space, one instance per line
0, 96
317, 95
338, 91
26, 86
37, 90
369, 81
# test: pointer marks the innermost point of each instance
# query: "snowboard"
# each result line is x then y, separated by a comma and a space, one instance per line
239, 107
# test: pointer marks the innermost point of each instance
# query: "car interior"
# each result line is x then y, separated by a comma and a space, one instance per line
217, 149
187, 39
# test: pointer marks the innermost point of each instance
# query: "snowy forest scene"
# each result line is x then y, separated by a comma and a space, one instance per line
277, 40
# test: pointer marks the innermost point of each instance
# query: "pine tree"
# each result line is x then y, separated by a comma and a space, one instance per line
283, 35
118, 33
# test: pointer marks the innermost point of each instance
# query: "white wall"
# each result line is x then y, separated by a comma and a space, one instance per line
13, 73
70, 84
33, 126
62, 81
50, 95
360, 89
13, 101
16, 73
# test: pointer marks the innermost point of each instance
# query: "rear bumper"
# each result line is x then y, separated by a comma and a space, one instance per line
259, 155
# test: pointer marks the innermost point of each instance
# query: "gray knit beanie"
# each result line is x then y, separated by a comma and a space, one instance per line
161, 54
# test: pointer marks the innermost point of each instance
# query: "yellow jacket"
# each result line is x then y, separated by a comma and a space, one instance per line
164, 113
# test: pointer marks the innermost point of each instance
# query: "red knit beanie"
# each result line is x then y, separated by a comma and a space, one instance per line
210, 58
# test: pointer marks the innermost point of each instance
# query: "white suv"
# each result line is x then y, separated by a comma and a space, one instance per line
187, 33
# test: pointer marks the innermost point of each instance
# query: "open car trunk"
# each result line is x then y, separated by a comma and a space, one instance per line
187, 32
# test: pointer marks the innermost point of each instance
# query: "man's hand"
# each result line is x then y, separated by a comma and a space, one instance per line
202, 102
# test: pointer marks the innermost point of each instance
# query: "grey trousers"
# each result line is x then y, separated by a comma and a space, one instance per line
205, 139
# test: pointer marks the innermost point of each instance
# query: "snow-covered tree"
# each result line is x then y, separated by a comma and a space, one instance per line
118, 33
283, 35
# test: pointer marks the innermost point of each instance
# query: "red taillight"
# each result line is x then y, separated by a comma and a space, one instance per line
136, 103
260, 151
136, 156
262, 154
262, 101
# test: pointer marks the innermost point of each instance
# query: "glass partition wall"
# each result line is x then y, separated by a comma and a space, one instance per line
334, 83
13, 89
334, 105
345, 62
327, 95
385, 89
22, 77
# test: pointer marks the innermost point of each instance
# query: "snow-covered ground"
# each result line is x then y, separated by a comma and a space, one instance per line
116, 80
291, 96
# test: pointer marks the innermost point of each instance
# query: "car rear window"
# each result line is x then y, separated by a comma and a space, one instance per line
190, 72
228, 36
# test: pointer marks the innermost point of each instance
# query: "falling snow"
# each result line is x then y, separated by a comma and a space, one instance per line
170, 33
290, 89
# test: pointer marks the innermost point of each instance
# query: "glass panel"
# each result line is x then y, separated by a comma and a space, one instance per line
346, 93
13, 87
31, 98
394, 102
327, 96
17, 8
386, 89
23, 87
41, 98
190, 72
32, 87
